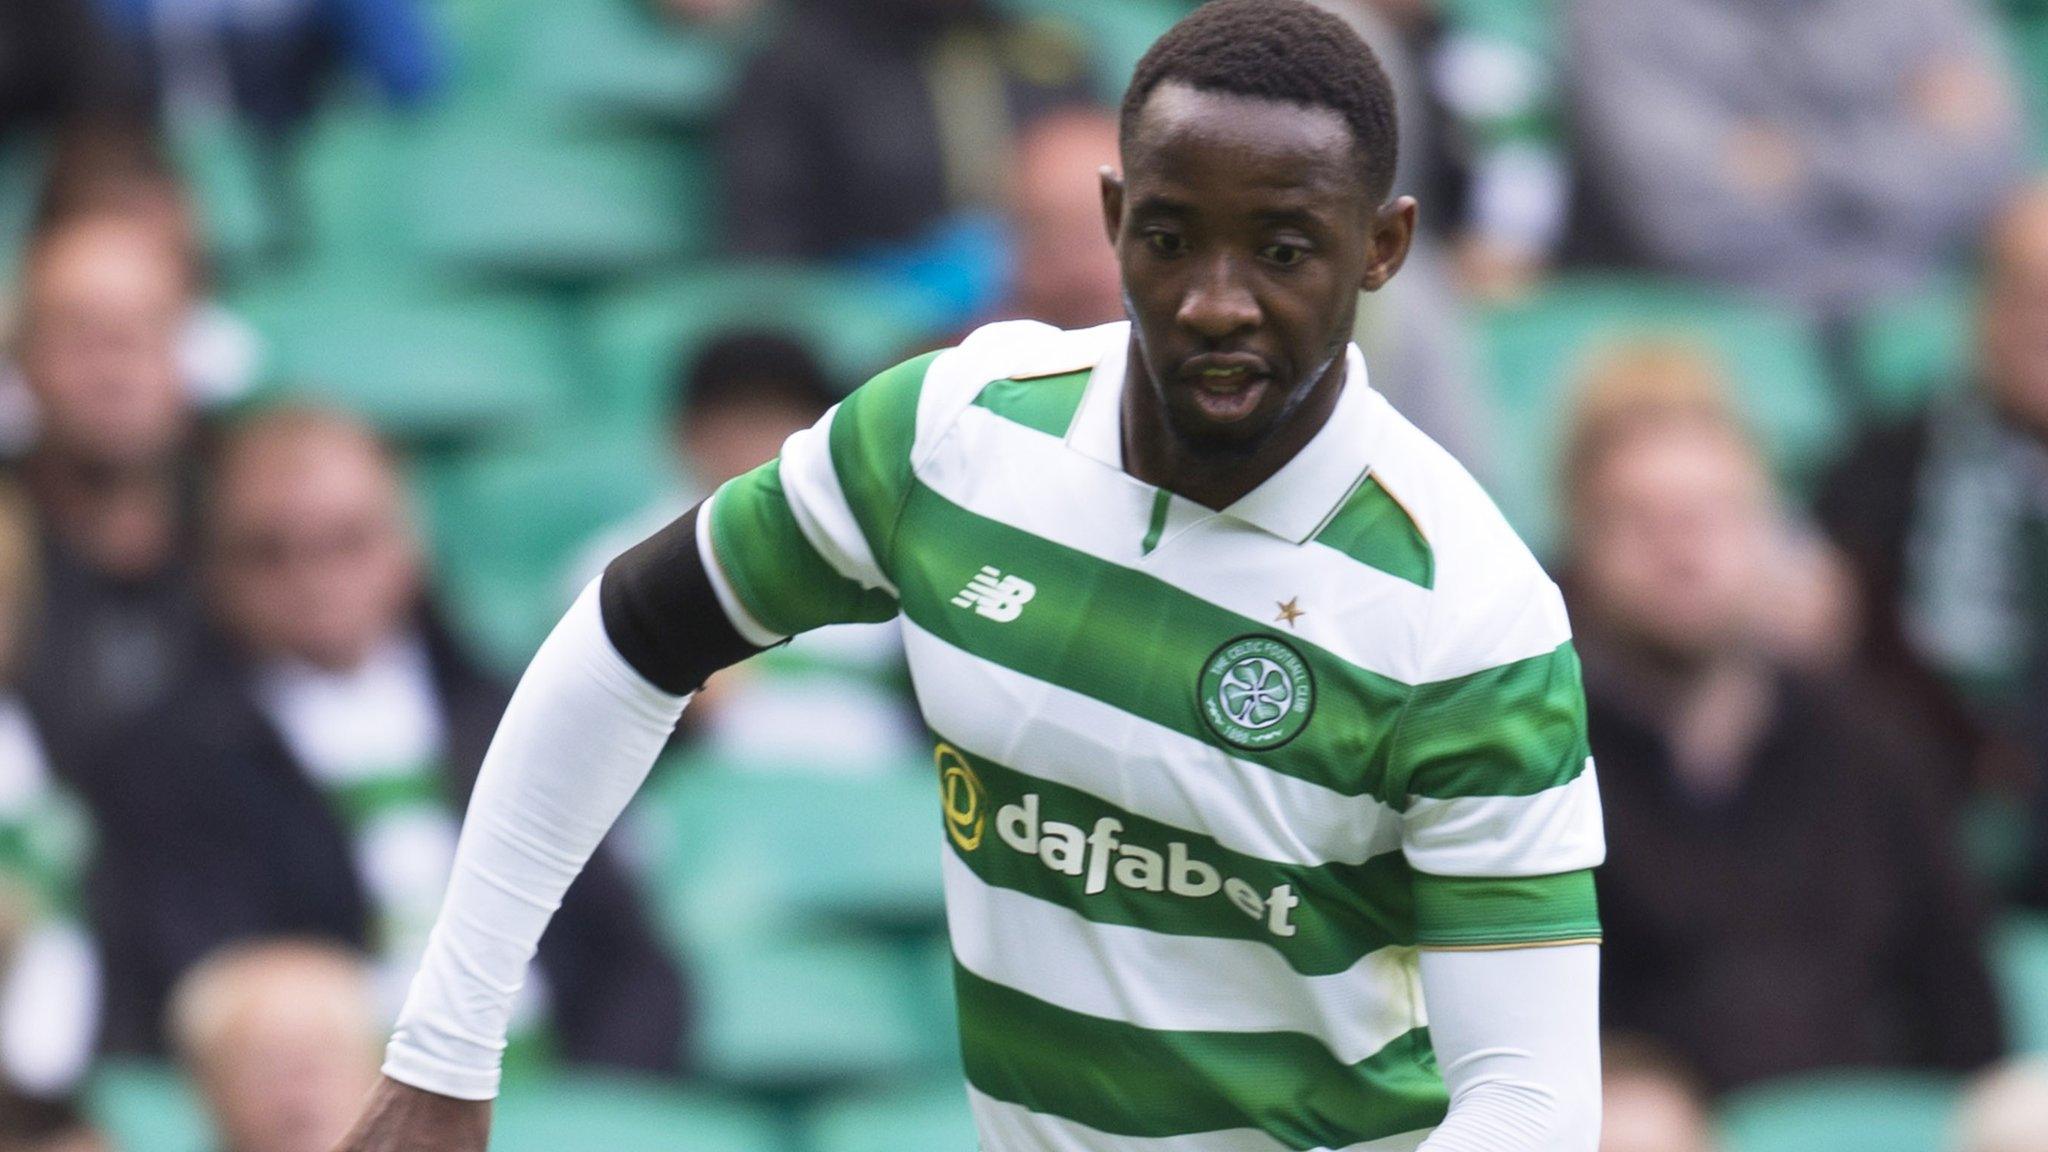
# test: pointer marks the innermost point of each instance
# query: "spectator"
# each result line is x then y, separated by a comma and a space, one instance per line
2006, 1110
49, 968
1941, 517
833, 700
269, 63
307, 777
120, 169
1479, 145
1824, 152
1063, 270
282, 1039
106, 300
1781, 894
1650, 1102
886, 129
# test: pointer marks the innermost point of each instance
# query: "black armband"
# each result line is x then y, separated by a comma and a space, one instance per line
662, 613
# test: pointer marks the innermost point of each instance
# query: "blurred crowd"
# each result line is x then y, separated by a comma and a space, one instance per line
344, 340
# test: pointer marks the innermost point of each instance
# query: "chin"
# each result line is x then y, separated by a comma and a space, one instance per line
1203, 437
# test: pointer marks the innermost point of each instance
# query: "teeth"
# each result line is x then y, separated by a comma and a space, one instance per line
1218, 372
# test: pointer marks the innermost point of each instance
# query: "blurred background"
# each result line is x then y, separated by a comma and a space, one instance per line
341, 341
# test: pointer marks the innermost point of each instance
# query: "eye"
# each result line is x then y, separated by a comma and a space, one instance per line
1283, 255
1165, 243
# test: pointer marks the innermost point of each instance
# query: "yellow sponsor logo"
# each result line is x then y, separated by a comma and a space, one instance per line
966, 800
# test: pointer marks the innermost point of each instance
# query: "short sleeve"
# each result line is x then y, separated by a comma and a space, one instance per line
1501, 818
804, 540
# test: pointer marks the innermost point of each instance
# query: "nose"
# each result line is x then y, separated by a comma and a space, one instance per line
1219, 304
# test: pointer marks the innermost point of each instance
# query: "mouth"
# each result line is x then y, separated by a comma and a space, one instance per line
1226, 387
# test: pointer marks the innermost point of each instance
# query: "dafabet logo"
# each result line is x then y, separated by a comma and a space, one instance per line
1098, 854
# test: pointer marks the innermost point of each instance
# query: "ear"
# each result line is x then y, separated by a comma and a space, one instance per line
1112, 202
1393, 232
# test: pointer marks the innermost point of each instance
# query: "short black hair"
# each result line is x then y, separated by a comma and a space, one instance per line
744, 365
1278, 50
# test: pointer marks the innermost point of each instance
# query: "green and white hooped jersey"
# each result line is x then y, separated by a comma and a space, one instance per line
1209, 778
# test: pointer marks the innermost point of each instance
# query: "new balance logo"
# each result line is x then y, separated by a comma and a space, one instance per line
1000, 598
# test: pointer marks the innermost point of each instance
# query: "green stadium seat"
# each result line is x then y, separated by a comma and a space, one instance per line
1532, 24
498, 189
147, 1106
349, 175
424, 363
506, 521
21, 172
1536, 349
620, 59
1841, 1112
924, 1118
2019, 957
642, 335
232, 186
591, 1114
804, 1014
752, 850
1909, 349
2026, 37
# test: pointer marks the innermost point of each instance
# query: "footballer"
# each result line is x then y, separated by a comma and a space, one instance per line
1267, 816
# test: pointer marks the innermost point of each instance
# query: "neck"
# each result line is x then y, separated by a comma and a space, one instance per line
120, 520
1214, 478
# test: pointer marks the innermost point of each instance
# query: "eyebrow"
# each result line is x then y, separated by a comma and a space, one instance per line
1299, 217
1155, 204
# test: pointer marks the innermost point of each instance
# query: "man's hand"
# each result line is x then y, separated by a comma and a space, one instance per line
400, 1118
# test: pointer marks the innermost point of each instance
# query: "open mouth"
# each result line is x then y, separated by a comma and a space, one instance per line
1225, 388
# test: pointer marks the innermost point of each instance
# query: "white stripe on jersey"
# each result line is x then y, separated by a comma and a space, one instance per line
1175, 983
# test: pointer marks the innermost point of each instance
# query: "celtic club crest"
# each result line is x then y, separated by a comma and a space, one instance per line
1256, 693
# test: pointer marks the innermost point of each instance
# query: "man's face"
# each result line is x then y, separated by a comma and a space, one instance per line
106, 302
1245, 232
1671, 537
313, 555
2015, 320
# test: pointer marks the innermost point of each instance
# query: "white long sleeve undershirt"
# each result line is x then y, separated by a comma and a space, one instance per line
1515, 1031
1517, 1036
575, 744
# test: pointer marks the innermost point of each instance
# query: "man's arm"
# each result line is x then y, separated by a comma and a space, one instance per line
590, 716
1502, 828
796, 544
1516, 1033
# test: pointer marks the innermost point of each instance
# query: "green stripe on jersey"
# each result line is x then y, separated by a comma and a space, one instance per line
1170, 880
1374, 529
1133, 1081
1460, 736
871, 440
1137, 643
781, 579
1047, 404
1479, 912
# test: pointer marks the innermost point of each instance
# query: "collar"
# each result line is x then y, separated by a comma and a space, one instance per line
1293, 503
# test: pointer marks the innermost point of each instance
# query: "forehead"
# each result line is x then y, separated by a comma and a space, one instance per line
269, 471
1225, 144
